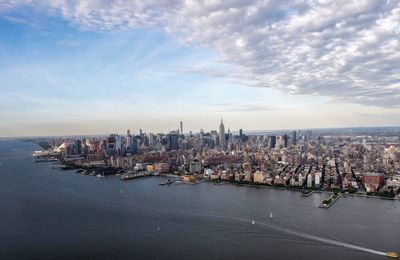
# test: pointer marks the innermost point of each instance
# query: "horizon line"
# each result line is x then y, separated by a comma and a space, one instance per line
251, 131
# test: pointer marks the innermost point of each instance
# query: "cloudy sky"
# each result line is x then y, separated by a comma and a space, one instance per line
101, 66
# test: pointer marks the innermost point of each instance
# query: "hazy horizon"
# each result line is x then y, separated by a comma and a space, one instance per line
195, 131
90, 67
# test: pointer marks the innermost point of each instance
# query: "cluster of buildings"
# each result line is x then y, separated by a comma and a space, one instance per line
302, 159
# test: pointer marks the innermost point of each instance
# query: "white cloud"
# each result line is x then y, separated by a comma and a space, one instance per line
347, 50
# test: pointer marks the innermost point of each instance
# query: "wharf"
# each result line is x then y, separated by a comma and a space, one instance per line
129, 176
332, 200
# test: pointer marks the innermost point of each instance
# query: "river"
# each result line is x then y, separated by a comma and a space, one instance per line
52, 214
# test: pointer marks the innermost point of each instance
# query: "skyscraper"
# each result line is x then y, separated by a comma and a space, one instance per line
285, 140
294, 137
131, 143
172, 140
181, 128
221, 133
272, 141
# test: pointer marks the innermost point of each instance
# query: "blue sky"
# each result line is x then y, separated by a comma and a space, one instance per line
75, 70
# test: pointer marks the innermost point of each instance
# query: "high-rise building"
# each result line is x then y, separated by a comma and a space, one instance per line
78, 147
181, 125
111, 145
131, 143
172, 140
294, 137
285, 140
221, 133
309, 135
272, 141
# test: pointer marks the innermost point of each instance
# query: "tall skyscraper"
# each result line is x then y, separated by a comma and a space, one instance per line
111, 145
181, 128
131, 143
272, 141
294, 137
309, 135
172, 141
285, 140
221, 133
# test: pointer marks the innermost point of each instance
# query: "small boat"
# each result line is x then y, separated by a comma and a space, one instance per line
270, 215
158, 229
100, 176
392, 255
253, 222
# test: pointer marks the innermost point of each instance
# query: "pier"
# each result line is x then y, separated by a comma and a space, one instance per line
326, 204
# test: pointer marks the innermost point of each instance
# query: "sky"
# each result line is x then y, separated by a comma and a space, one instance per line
99, 67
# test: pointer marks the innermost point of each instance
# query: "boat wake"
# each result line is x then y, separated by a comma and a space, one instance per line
269, 224
308, 236
328, 241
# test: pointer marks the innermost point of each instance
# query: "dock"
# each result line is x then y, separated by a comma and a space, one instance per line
332, 199
129, 176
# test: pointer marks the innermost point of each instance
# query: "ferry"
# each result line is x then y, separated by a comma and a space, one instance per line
392, 255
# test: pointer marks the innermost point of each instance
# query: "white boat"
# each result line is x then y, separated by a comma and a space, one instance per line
270, 215
100, 176
252, 222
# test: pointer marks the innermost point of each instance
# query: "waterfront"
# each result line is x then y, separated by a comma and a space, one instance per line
46, 213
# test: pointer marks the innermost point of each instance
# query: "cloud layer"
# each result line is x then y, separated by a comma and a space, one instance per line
347, 50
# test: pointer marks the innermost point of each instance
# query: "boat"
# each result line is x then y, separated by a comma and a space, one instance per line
252, 222
392, 255
100, 176
270, 215
80, 170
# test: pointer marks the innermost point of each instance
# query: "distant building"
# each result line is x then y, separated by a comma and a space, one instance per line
285, 140
161, 167
195, 167
208, 172
246, 167
221, 133
131, 143
78, 147
294, 137
111, 145
172, 141
259, 177
372, 181
272, 141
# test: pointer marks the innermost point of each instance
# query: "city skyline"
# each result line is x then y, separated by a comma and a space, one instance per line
96, 67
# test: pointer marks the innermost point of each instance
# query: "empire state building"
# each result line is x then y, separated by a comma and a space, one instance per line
221, 133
